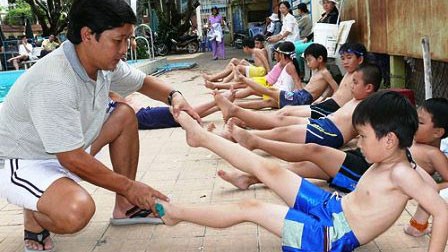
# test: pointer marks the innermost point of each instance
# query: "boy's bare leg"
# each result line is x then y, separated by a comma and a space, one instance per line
289, 134
300, 111
216, 85
210, 107
237, 76
228, 78
281, 181
244, 92
258, 104
269, 216
243, 180
253, 119
220, 75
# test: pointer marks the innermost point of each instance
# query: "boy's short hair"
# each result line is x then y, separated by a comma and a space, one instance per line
371, 74
358, 49
248, 43
98, 15
259, 37
317, 50
438, 108
388, 111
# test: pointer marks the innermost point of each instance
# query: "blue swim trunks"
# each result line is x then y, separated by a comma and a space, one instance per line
323, 132
155, 118
354, 166
317, 223
296, 97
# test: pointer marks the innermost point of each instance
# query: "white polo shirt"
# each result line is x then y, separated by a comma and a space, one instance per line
55, 107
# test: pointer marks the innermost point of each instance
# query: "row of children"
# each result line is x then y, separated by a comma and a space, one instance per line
388, 141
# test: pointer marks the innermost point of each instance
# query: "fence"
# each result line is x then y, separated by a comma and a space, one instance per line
415, 78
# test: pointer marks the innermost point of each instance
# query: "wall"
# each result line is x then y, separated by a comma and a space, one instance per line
395, 27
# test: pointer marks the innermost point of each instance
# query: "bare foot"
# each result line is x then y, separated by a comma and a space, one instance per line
209, 84
211, 127
168, 213
194, 131
238, 179
31, 224
227, 108
243, 137
227, 131
412, 231
206, 77
237, 76
230, 94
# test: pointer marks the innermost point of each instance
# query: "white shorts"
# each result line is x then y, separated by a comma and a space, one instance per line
22, 182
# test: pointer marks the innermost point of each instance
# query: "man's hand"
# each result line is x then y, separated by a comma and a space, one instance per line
143, 196
180, 104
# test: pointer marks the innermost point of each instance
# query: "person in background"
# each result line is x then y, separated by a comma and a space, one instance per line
273, 25
290, 29
216, 35
330, 16
25, 53
49, 45
304, 21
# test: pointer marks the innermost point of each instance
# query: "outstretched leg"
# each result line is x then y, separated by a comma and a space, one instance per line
299, 110
254, 119
269, 216
271, 92
281, 181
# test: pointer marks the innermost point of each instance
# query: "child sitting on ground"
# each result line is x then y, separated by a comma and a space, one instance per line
316, 220
258, 69
343, 169
433, 127
352, 55
333, 130
316, 56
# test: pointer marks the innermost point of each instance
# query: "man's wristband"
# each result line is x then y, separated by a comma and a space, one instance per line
170, 96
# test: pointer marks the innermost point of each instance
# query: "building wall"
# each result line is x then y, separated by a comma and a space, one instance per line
395, 27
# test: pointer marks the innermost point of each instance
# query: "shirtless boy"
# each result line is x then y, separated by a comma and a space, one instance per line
316, 56
316, 220
259, 69
352, 55
333, 130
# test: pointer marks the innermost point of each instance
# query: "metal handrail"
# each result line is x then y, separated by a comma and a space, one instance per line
150, 48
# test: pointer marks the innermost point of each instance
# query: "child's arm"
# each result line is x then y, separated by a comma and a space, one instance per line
329, 79
412, 184
327, 93
291, 70
440, 163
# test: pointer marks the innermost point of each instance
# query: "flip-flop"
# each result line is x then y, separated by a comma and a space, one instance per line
37, 237
136, 215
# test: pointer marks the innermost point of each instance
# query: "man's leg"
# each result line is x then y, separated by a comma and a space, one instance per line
281, 181
254, 119
269, 216
120, 132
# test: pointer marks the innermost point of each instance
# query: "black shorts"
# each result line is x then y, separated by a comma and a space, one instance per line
354, 166
323, 109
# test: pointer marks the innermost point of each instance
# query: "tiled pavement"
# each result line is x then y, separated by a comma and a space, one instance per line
189, 176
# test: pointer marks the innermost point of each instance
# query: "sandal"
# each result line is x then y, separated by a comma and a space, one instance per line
37, 237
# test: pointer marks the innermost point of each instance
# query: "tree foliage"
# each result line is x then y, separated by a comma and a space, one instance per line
51, 14
172, 23
19, 13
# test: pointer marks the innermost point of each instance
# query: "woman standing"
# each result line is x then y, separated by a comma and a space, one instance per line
216, 35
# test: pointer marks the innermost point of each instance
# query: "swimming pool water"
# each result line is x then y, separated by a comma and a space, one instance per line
6, 80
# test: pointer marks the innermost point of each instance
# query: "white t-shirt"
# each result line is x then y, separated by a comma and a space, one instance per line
23, 51
290, 25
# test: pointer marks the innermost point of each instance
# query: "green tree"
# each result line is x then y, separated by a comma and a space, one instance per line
18, 12
51, 14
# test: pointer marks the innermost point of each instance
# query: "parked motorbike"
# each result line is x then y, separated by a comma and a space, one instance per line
188, 43
238, 38
160, 48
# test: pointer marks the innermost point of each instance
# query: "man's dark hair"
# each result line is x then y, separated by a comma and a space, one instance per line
388, 111
98, 15
259, 37
248, 43
316, 50
438, 108
371, 74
